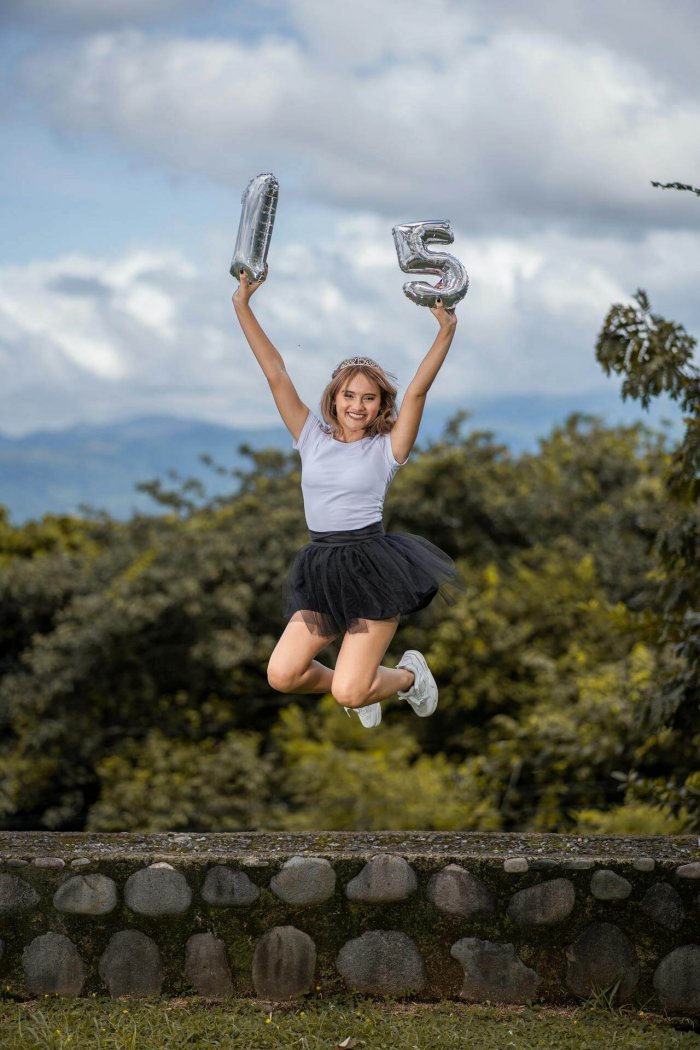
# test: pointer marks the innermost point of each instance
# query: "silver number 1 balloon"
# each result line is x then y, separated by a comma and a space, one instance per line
259, 204
411, 240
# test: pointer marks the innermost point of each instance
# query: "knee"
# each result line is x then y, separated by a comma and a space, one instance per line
282, 678
349, 694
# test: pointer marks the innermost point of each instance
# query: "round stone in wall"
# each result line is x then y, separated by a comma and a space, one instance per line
384, 962
223, 888
157, 890
284, 963
130, 964
206, 966
494, 971
544, 904
515, 865
607, 885
383, 879
601, 955
542, 863
689, 871
16, 894
663, 903
86, 895
677, 980
304, 880
52, 964
457, 892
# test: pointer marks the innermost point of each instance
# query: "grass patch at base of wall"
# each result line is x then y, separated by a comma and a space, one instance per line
55, 1023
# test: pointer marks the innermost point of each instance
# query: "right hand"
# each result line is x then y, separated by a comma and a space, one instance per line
446, 318
246, 288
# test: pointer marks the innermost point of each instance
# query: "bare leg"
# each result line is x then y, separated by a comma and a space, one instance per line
358, 679
292, 669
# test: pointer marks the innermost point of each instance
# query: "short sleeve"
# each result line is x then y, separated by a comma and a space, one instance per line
310, 423
388, 452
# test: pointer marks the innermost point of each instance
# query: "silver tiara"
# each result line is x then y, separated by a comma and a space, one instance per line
354, 361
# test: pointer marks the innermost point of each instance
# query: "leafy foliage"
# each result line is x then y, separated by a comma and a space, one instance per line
677, 186
162, 784
654, 356
133, 691
334, 775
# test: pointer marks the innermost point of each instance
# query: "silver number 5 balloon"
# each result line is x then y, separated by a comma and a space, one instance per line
259, 204
411, 240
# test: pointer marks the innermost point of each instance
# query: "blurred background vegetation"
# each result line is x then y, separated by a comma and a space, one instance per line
133, 691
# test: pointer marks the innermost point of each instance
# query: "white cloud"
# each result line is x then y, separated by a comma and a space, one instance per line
506, 132
85, 338
46, 15
361, 35
62, 318
659, 36
534, 128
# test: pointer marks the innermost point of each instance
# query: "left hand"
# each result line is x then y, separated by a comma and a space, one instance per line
245, 288
446, 318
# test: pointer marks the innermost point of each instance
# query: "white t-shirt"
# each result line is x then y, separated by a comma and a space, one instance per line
343, 483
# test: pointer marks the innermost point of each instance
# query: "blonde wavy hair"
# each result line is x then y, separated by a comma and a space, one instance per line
386, 417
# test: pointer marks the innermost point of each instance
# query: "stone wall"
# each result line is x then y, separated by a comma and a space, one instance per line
504, 918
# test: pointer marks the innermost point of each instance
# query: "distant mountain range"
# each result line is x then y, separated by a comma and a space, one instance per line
98, 465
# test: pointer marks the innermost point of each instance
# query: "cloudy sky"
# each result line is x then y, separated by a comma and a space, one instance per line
131, 128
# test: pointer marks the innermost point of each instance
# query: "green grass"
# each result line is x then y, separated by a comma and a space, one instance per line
56, 1023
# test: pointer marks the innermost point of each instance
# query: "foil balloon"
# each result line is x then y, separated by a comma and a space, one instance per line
259, 204
411, 240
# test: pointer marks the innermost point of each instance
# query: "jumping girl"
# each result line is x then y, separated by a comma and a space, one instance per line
353, 578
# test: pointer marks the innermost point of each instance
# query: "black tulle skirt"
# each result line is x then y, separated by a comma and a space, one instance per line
341, 580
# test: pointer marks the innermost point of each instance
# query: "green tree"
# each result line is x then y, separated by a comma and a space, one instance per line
334, 774
104, 640
654, 356
164, 784
134, 648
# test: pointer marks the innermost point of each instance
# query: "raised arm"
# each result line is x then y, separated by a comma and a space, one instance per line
405, 430
289, 404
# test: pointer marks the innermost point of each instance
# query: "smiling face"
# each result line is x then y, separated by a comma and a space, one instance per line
357, 403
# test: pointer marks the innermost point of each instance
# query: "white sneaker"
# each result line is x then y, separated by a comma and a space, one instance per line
370, 716
423, 694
